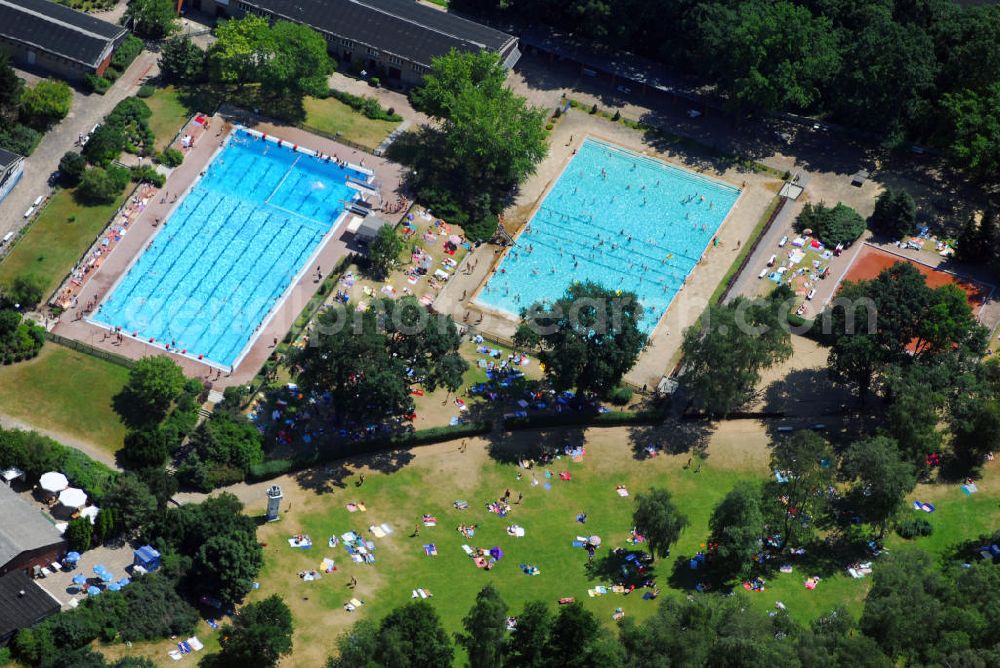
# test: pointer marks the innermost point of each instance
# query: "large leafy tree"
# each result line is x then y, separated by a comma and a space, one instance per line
895, 214
973, 129
526, 645
737, 524
154, 383
154, 19
768, 54
659, 520
181, 60
228, 564
259, 636
974, 413
916, 395
807, 463
131, 503
589, 337
412, 636
487, 140
485, 630
881, 479
725, 352
579, 641
11, 88
368, 362
839, 224
383, 252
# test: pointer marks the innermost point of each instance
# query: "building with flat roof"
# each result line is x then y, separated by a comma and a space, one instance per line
27, 537
53, 37
22, 604
395, 39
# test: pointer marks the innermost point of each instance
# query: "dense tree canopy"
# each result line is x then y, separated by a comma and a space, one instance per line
808, 464
589, 337
895, 215
45, 104
737, 525
383, 252
259, 636
368, 361
485, 630
881, 480
154, 383
725, 352
835, 225
154, 19
487, 141
181, 60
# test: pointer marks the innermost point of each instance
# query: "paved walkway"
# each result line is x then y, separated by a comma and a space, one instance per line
86, 112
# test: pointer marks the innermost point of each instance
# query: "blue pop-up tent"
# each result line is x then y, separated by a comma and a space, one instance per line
147, 557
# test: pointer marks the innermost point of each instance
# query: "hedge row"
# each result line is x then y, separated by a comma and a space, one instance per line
339, 450
609, 419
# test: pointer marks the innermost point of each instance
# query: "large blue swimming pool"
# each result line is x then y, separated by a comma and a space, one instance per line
616, 218
230, 250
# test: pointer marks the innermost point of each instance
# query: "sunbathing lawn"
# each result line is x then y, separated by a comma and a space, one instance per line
67, 392
54, 243
169, 115
333, 117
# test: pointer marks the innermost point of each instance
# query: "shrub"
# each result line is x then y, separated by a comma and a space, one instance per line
549, 126
126, 52
617, 117
25, 290
368, 106
145, 91
621, 395
95, 84
914, 527
79, 534
71, 167
593, 109
102, 186
147, 174
18, 138
374, 82
46, 103
171, 157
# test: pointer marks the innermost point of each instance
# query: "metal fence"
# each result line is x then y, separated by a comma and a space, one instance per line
88, 349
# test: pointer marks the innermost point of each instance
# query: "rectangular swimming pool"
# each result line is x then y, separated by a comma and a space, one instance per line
616, 218
231, 249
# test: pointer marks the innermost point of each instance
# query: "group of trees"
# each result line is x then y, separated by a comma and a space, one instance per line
153, 19
27, 112
368, 361
486, 141
927, 71
254, 62
916, 613
895, 215
20, 339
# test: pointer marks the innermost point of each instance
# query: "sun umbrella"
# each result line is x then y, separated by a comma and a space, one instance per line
123, 582
53, 481
594, 540
105, 576
72, 557
72, 497
99, 568
80, 579
496, 552
93, 591
114, 586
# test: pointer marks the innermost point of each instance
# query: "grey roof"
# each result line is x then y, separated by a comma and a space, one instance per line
23, 527
58, 30
7, 158
403, 28
370, 226
22, 603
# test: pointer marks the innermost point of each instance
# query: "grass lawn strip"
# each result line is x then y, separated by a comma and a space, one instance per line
54, 242
169, 115
333, 118
67, 392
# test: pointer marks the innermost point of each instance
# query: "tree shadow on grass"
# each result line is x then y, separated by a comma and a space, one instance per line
622, 567
328, 477
672, 437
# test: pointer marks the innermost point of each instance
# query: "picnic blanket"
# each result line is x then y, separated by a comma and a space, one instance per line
430, 549
353, 605
926, 507
302, 542
430, 521
621, 490
421, 593
516, 531
355, 507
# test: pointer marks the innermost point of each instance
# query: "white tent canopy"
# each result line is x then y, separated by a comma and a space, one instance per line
91, 512
53, 481
73, 497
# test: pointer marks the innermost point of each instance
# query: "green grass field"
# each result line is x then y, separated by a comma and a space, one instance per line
67, 392
332, 117
57, 239
169, 115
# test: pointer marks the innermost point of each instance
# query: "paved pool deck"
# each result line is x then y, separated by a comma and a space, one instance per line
72, 323
663, 348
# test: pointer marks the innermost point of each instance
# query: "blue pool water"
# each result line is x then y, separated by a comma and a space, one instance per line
638, 225
230, 249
